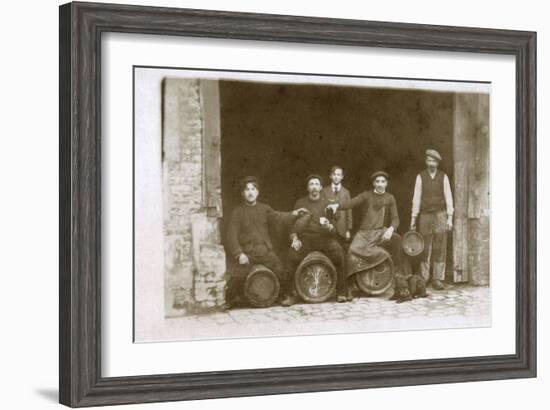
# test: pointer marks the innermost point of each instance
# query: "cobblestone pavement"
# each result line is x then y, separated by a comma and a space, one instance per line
455, 306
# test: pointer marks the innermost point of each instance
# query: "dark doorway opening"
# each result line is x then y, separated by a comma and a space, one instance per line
283, 132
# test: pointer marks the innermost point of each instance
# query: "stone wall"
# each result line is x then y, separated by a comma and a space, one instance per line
194, 257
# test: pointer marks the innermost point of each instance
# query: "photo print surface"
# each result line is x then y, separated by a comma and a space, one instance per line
301, 204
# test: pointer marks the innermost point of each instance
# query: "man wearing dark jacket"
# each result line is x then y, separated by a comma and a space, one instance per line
248, 241
314, 232
336, 192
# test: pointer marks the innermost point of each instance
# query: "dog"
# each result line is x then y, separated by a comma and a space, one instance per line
417, 286
401, 291
408, 287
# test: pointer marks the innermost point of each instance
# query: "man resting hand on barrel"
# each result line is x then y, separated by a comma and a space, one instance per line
314, 232
248, 240
376, 235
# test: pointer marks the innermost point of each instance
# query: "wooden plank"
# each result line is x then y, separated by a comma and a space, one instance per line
210, 103
484, 165
460, 231
478, 201
462, 152
479, 204
470, 117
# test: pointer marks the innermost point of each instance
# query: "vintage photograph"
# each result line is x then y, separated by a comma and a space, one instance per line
302, 204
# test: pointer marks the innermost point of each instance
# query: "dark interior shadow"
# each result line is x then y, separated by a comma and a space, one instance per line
50, 394
281, 133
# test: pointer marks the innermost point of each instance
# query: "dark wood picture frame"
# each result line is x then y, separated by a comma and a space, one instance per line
81, 27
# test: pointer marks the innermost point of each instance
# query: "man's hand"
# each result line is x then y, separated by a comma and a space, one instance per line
413, 223
449, 224
243, 259
296, 244
386, 236
325, 223
333, 207
300, 212
348, 235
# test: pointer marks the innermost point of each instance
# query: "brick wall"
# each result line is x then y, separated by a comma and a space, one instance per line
194, 257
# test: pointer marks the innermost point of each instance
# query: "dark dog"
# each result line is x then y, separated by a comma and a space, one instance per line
408, 287
417, 286
401, 291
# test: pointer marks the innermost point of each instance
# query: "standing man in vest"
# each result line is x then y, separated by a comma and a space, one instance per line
432, 205
336, 192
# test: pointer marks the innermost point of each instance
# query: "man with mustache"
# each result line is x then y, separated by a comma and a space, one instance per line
314, 232
432, 205
248, 241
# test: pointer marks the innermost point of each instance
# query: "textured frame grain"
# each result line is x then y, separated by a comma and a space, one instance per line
81, 26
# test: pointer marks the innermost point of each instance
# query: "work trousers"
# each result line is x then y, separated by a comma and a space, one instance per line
432, 227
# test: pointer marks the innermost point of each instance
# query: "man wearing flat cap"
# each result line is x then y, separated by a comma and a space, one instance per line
248, 241
377, 239
315, 232
432, 214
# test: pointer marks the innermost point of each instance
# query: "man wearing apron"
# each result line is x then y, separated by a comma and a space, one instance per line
377, 239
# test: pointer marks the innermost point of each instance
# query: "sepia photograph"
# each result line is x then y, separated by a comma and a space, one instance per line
283, 204
262, 203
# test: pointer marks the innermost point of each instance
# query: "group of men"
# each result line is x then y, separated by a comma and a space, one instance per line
322, 221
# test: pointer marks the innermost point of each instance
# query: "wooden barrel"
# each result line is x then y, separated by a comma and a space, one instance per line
261, 287
377, 280
315, 278
412, 243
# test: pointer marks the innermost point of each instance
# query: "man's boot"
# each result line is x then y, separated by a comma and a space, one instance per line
291, 297
289, 300
437, 285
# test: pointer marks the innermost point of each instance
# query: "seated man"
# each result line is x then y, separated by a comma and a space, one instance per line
376, 235
248, 240
314, 232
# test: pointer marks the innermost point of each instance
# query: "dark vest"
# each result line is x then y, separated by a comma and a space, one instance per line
433, 196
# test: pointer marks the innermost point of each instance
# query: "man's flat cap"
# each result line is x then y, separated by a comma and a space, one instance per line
249, 179
314, 176
379, 174
433, 153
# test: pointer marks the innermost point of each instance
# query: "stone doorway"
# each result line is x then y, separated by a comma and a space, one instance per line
215, 132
